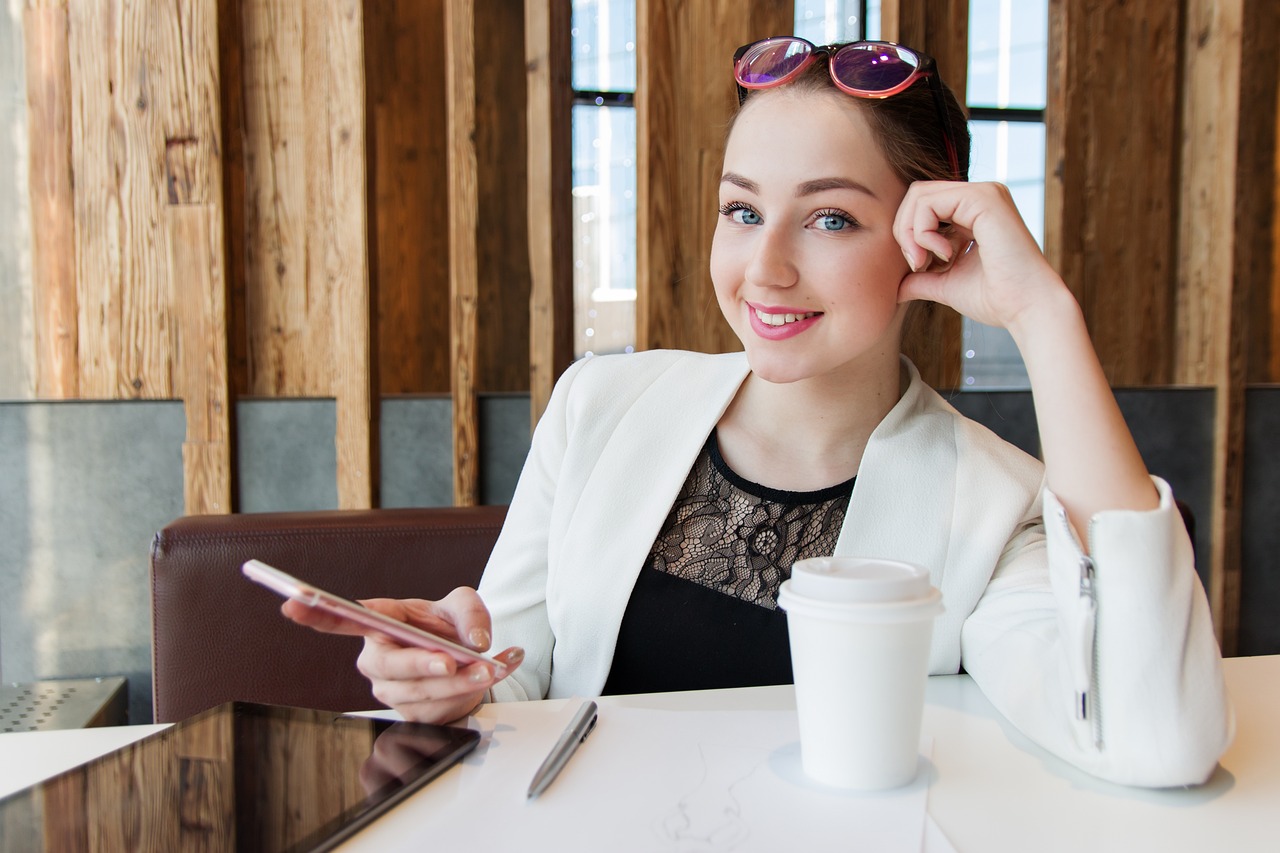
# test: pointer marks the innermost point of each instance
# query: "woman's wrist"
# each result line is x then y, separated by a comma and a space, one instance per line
1053, 321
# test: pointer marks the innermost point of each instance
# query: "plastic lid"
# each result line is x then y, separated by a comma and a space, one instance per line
859, 580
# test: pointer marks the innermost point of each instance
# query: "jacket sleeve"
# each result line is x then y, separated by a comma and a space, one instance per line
1107, 660
514, 584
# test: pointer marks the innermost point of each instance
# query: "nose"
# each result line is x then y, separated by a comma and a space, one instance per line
772, 261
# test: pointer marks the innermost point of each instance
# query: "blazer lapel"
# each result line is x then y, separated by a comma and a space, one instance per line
903, 500
612, 530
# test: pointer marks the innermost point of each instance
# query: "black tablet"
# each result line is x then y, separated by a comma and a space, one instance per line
239, 777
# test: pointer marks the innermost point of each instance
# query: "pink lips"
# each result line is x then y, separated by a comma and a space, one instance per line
786, 330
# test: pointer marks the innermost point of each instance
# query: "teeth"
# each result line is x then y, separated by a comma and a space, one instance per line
782, 319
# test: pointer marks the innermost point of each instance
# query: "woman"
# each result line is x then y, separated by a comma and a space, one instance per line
666, 494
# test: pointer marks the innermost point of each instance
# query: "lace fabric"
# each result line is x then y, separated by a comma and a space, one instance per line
740, 538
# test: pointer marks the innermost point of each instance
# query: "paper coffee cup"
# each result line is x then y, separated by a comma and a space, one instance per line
860, 631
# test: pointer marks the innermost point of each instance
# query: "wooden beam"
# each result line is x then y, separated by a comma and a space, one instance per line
550, 211
1226, 213
338, 234
464, 284
502, 236
48, 71
123, 94
940, 28
196, 255
1111, 176
195, 223
684, 99
277, 310
408, 177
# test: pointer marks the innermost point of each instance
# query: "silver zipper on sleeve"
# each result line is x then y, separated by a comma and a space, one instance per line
1084, 658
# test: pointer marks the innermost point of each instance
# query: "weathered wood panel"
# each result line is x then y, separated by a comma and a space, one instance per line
550, 211
125, 81
281, 308
53, 286
1226, 211
502, 239
409, 179
195, 222
18, 362
464, 214
197, 256
684, 98
940, 28
1112, 176
338, 235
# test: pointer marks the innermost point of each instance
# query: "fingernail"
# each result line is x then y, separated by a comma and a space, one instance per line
911, 263
438, 667
481, 675
479, 638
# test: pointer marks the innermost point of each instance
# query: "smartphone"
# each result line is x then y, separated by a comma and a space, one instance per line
503, 663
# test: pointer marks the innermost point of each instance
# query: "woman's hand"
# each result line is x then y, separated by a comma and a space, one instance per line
422, 685
994, 273
986, 265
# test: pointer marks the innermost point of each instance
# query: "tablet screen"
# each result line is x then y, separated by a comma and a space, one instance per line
238, 777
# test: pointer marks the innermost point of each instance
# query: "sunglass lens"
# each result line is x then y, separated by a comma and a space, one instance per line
771, 61
873, 68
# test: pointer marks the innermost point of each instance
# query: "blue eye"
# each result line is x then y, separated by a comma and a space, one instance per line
740, 213
832, 221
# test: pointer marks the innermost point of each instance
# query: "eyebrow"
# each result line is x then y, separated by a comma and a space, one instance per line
807, 188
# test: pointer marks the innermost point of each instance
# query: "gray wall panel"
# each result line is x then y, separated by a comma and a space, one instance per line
504, 444
286, 455
417, 451
85, 486
1260, 561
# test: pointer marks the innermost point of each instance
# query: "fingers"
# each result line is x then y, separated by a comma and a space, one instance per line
466, 616
933, 226
421, 684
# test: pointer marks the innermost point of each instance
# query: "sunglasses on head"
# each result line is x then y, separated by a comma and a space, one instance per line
864, 69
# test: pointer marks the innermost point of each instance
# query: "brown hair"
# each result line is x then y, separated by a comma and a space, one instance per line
905, 125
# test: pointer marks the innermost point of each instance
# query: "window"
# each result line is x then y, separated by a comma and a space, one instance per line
1007, 79
604, 177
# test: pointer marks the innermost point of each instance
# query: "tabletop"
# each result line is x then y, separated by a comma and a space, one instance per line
989, 789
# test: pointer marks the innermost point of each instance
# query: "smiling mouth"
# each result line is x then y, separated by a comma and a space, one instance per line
782, 319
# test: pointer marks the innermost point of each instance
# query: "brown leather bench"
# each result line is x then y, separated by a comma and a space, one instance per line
216, 636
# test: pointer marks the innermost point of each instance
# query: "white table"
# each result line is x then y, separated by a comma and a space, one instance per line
991, 790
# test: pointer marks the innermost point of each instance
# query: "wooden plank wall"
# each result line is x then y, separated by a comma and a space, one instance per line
338, 199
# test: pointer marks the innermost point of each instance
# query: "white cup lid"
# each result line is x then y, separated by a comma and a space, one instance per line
860, 580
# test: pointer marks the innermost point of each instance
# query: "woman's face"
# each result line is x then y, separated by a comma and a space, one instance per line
805, 266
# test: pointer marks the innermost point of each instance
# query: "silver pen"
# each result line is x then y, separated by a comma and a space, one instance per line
576, 732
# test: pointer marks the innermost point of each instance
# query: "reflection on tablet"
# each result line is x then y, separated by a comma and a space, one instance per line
238, 777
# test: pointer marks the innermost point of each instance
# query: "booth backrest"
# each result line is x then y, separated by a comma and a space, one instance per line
216, 636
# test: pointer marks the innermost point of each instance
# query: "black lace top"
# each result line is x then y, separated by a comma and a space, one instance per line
703, 612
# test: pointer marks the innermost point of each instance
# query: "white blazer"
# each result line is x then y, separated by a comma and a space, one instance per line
618, 439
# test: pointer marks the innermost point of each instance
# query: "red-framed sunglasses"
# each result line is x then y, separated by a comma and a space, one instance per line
864, 69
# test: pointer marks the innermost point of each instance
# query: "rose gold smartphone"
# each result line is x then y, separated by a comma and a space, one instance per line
503, 663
